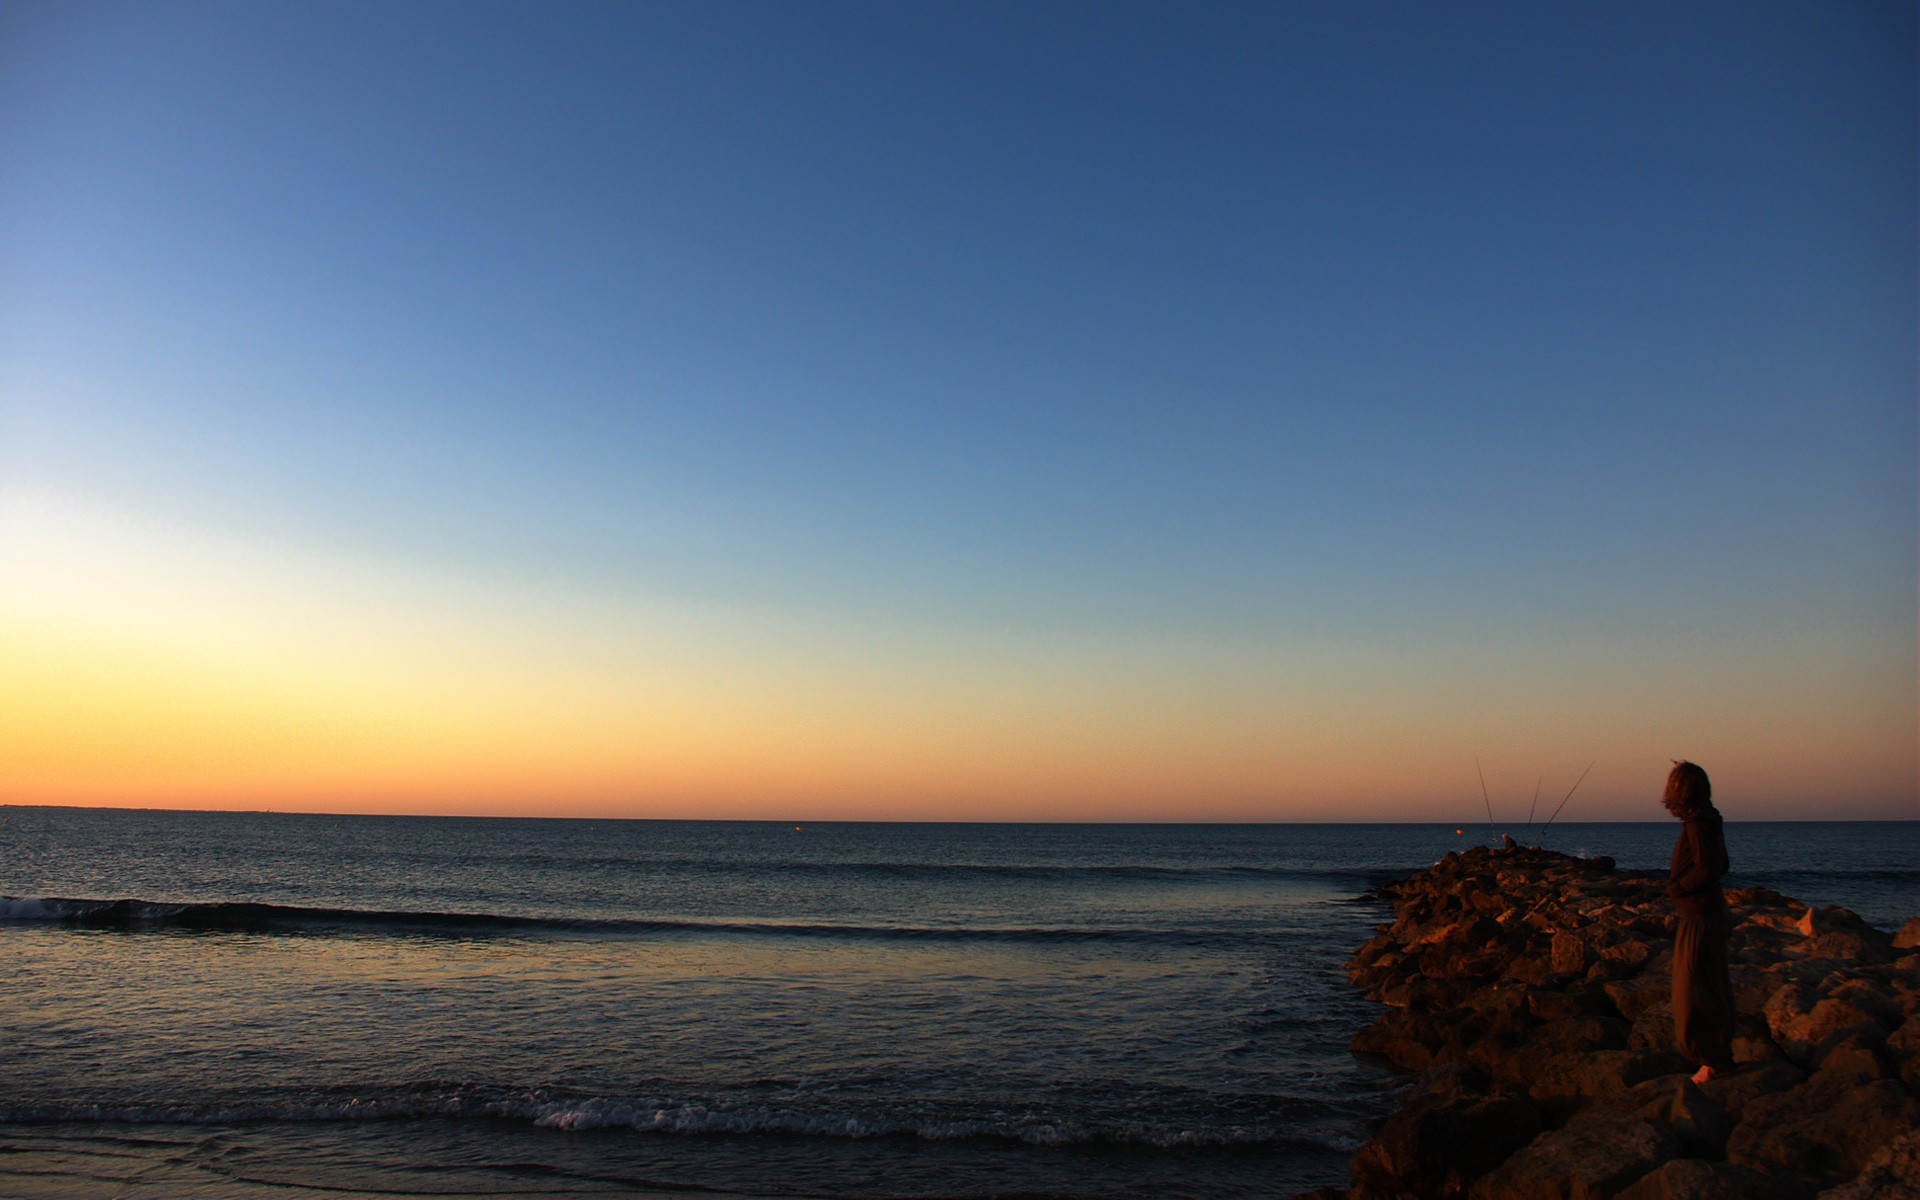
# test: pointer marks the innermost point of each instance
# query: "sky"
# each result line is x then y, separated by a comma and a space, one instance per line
958, 411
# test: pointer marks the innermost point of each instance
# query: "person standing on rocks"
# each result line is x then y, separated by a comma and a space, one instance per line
1702, 991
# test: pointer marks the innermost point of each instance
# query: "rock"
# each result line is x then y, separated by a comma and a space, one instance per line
1802, 1015
1570, 953
1761, 917
1524, 1061
1852, 945
1653, 1029
1802, 1020
1872, 996
1903, 976
1578, 1078
1829, 919
1903, 1053
1627, 958
1893, 1173
1405, 1039
1593, 1157
1468, 951
1760, 898
1692, 1179
1534, 970
1854, 1055
1676, 1102
1791, 1001
1737, 1089
1548, 1005
1753, 986
1530, 991
1505, 1005
1440, 1143
1750, 1047
1837, 933
1635, 996
1826, 1129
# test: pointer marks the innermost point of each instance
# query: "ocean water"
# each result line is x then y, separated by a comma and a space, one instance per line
224, 1005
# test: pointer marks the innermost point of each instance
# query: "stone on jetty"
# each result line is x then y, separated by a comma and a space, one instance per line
1527, 993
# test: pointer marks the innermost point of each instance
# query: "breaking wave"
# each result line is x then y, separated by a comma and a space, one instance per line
140, 916
695, 1118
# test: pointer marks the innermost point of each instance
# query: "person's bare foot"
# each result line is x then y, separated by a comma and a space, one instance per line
1704, 1075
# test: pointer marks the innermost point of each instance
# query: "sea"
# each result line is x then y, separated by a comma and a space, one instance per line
272, 1005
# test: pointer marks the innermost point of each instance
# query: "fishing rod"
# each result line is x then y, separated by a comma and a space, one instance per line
1484, 796
1569, 796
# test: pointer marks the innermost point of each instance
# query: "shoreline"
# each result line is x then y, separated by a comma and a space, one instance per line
1527, 1004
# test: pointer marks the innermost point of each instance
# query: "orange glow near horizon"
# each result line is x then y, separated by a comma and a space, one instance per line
151, 666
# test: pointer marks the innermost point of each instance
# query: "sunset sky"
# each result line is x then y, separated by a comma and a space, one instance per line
958, 410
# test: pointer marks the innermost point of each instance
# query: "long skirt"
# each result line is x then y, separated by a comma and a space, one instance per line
1702, 992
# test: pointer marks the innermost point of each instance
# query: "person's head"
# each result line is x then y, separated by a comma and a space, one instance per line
1688, 791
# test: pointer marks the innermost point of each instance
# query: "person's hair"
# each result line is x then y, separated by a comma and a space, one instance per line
1687, 788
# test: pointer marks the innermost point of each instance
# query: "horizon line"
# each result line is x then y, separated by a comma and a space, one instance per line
803, 821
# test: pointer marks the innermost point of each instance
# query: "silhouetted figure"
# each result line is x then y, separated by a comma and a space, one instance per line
1702, 991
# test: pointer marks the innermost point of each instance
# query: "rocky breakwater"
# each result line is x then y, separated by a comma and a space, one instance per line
1527, 994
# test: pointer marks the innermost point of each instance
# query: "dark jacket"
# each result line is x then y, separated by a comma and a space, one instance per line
1699, 860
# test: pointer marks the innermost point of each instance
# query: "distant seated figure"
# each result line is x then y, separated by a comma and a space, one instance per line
1507, 844
1702, 989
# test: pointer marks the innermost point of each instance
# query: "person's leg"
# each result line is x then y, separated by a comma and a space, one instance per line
1715, 1004
1703, 1009
1688, 936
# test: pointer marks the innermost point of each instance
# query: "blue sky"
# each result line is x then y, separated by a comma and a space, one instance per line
1566, 354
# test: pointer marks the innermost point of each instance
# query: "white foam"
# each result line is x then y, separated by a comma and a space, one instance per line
659, 1116
14, 909
662, 1116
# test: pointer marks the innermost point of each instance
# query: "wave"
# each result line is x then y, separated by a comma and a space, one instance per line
1897, 875
145, 916
932, 872
697, 1118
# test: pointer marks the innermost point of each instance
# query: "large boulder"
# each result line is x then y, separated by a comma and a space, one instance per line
1594, 1157
1409, 1039
1735, 1090
1626, 958
1526, 1060
1837, 933
1441, 1142
1694, 1179
1753, 1041
1903, 1053
1856, 1054
1826, 1129
1674, 1101
1571, 953
1652, 1028
1893, 1173
1635, 996
1577, 1079
1804, 1018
